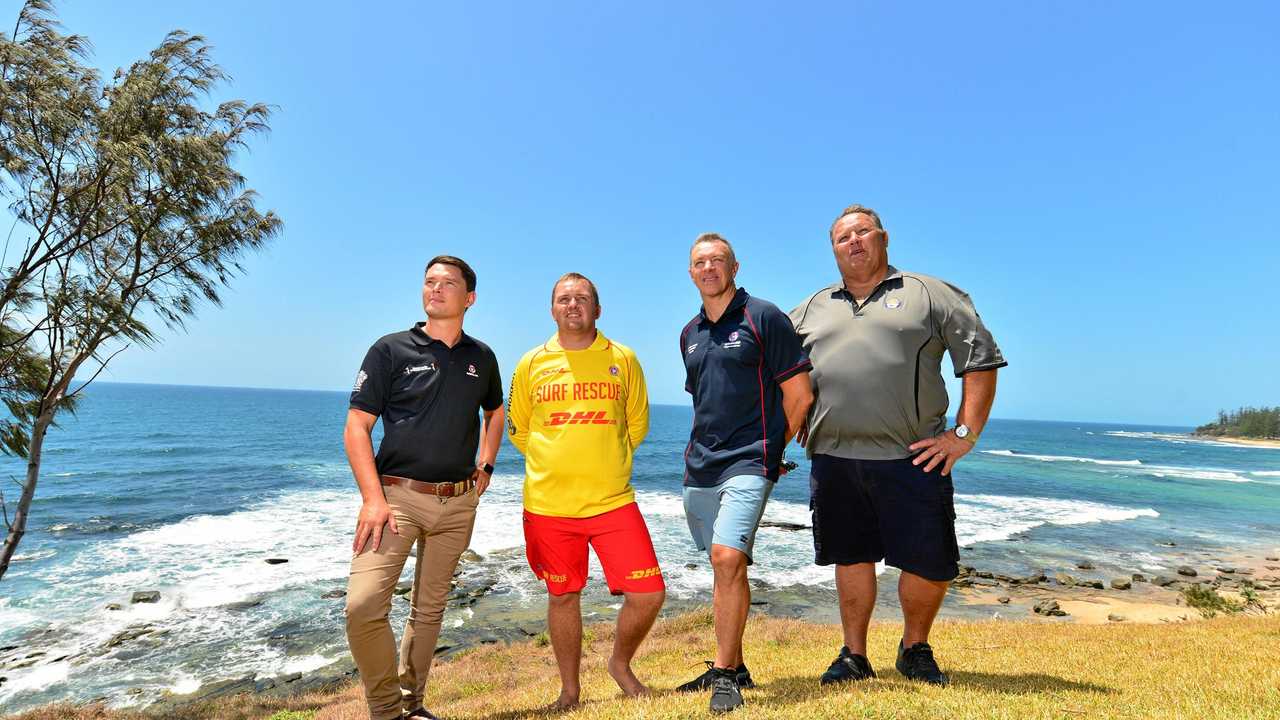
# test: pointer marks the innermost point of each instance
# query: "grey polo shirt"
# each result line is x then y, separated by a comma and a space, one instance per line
877, 367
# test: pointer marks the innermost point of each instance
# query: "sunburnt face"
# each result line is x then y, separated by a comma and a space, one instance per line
444, 292
712, 268
573, 307
860, 247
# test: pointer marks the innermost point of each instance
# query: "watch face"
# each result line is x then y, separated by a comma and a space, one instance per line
962, 431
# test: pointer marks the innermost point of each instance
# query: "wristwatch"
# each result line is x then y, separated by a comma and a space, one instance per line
487, 468
964, 433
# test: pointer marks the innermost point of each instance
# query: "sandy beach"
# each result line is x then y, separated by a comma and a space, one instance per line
1243, 442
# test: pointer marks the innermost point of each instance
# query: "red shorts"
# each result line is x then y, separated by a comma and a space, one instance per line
557, 551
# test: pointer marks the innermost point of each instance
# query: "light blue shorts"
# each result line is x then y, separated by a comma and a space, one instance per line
727, 514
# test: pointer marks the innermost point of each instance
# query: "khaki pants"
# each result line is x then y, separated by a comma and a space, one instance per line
442, 531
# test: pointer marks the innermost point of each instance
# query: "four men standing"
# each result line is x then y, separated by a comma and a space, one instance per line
872, 419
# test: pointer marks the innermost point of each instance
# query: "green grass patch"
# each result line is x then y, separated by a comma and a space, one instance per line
1209, 602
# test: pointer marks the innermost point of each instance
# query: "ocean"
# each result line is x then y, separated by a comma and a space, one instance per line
188, 490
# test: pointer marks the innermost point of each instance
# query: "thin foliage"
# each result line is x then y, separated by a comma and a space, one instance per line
127, 211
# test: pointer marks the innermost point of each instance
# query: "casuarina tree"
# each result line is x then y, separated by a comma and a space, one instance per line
127, 212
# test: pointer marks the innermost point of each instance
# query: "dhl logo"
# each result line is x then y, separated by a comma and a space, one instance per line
598, 417
641, 574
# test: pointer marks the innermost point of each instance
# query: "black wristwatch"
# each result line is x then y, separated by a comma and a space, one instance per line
487, 468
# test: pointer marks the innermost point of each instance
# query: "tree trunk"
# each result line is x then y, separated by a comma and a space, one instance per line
18, 527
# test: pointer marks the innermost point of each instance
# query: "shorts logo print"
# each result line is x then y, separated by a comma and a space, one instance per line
642, 574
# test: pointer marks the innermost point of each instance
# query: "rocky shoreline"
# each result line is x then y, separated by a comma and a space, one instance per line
1080, 593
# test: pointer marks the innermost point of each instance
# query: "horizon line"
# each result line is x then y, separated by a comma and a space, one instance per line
316, 390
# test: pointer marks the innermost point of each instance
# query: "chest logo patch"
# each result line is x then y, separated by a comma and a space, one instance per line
471, 371
734, 341
892, 303
429, 367
733, 336
691, 348
613, 370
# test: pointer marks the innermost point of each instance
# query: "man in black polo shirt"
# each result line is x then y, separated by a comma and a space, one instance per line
429, 385
749, 379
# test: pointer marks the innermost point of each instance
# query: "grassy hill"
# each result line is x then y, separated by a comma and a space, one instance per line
1226, 667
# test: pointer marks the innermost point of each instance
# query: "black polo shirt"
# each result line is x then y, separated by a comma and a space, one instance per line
429, 397
733, 368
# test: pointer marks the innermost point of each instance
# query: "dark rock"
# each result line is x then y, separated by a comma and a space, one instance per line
966, 569
134, 691
334, 594
1229, 570
145, 596
1084, 565
114, 606
962, 582
1003, 600
1273, 559
1064, 579
442, 648
1162, 581
277, 561
489, 640
690, 566
244, 604
1035, 579
470, 556
985, 582
1245, 571
3, 679
1121, 584
7, 648
1008, 579
1139, 577
759, 602
1048, 608
1095, 584
984, 574
226, 688
1116, 618
1167, 543
128, 634
403, 588
1186, 571
783, 525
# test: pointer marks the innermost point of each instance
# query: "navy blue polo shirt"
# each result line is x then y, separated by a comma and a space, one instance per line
429, 397
733, 368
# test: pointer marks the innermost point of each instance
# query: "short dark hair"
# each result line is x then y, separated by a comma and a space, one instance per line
467, 273
855, 209
595, 296
710, 237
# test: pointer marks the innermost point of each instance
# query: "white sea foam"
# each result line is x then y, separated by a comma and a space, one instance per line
1266, 473
1062, 458
1181, 439
1163, 471
984, 518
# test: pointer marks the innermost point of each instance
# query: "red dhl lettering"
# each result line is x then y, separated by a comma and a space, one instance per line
642, 574
597, 417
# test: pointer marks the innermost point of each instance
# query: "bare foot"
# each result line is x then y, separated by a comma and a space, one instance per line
621, 674
564, 703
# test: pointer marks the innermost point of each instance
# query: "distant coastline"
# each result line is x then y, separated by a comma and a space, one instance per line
1242, 441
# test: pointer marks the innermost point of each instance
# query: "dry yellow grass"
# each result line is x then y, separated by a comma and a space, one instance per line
1222, 668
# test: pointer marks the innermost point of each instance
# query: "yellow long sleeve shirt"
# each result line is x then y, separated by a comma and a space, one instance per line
577, 416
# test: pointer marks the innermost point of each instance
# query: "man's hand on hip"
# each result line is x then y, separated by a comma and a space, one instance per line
482, 480
945, 449
373, 516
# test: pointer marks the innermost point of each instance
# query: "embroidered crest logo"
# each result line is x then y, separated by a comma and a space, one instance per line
471, 370
613, 370
360, 378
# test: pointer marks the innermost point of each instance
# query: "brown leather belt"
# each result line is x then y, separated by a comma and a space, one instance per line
439, 489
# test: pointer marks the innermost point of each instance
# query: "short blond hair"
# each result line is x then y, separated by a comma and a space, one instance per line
854, 209
710, 237
595, 295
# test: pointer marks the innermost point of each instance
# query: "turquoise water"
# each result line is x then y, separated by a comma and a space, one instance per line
188, 490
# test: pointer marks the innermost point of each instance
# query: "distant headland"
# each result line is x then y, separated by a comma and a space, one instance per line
1248, 425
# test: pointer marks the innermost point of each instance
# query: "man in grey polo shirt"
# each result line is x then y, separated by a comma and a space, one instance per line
881, 449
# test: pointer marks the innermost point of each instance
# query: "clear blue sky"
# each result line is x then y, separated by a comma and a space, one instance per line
1101, 177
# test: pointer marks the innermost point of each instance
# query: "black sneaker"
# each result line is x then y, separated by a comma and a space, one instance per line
917, 663
703, 681
725, 695
848, 666
420, 714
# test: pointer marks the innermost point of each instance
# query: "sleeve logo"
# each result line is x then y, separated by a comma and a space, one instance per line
360, 378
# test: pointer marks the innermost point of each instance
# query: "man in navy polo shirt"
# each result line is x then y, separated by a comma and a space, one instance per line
749, 378
429, 385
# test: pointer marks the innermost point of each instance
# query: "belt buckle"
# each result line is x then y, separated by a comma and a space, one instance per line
442, 497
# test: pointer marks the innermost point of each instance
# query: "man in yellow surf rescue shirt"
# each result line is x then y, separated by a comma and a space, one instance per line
578, 409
